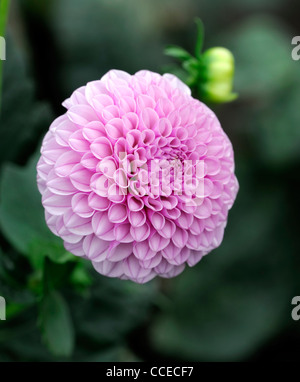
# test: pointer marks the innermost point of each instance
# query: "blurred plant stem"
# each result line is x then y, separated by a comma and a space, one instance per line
4, 9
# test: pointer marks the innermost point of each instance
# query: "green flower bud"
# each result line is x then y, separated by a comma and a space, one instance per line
217, 72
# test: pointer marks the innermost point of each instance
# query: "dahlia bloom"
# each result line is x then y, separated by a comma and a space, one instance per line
137, 176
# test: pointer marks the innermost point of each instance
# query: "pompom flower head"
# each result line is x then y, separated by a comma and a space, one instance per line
137, 176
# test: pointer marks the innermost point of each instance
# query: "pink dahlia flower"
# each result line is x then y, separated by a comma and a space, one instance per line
137, 176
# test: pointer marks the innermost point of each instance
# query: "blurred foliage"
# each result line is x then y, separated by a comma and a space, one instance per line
23, 118
13, 209
236, 303
4, 10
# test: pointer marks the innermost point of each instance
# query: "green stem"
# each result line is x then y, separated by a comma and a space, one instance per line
4, 7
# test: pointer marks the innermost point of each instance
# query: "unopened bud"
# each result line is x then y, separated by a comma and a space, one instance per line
217, 76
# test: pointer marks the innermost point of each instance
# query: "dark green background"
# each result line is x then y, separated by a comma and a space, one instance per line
236, 303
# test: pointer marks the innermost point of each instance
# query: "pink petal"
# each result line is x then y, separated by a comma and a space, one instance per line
43, 169
120, 178
94, 130
180, 237
127, 104
59, 185
170, 252
204, 210
147, 137
164, 107
194, 242
157, 219
133, 269
100, 101
137, 219
185, 220
76, 249
117, 213
116, 194
120, 252
212, 165
168, 229
153, 204
194, 258
51, 150
140, 233
133, 138
157, 242
131, 121
100, 184
197, 227
142, 251
169, 202
66, 162
122, 233
101, 224
163, 267
80, 205
78, 143
107, 166
151, 263
134, 204
81, 178
181, 258
56, 204
76, 224
177, 83
164, 127
108, 268
109, 113
115, 128
63, 132
89, 161
101, 148
144, 101
175, 271
94, 248
97, 202
77, 98
95, 88
82, 114
149, 118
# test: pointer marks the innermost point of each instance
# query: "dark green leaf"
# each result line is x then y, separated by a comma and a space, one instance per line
53, 249
177, 52
21, 213
56, 275
23, 120
80, 277
56, 325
